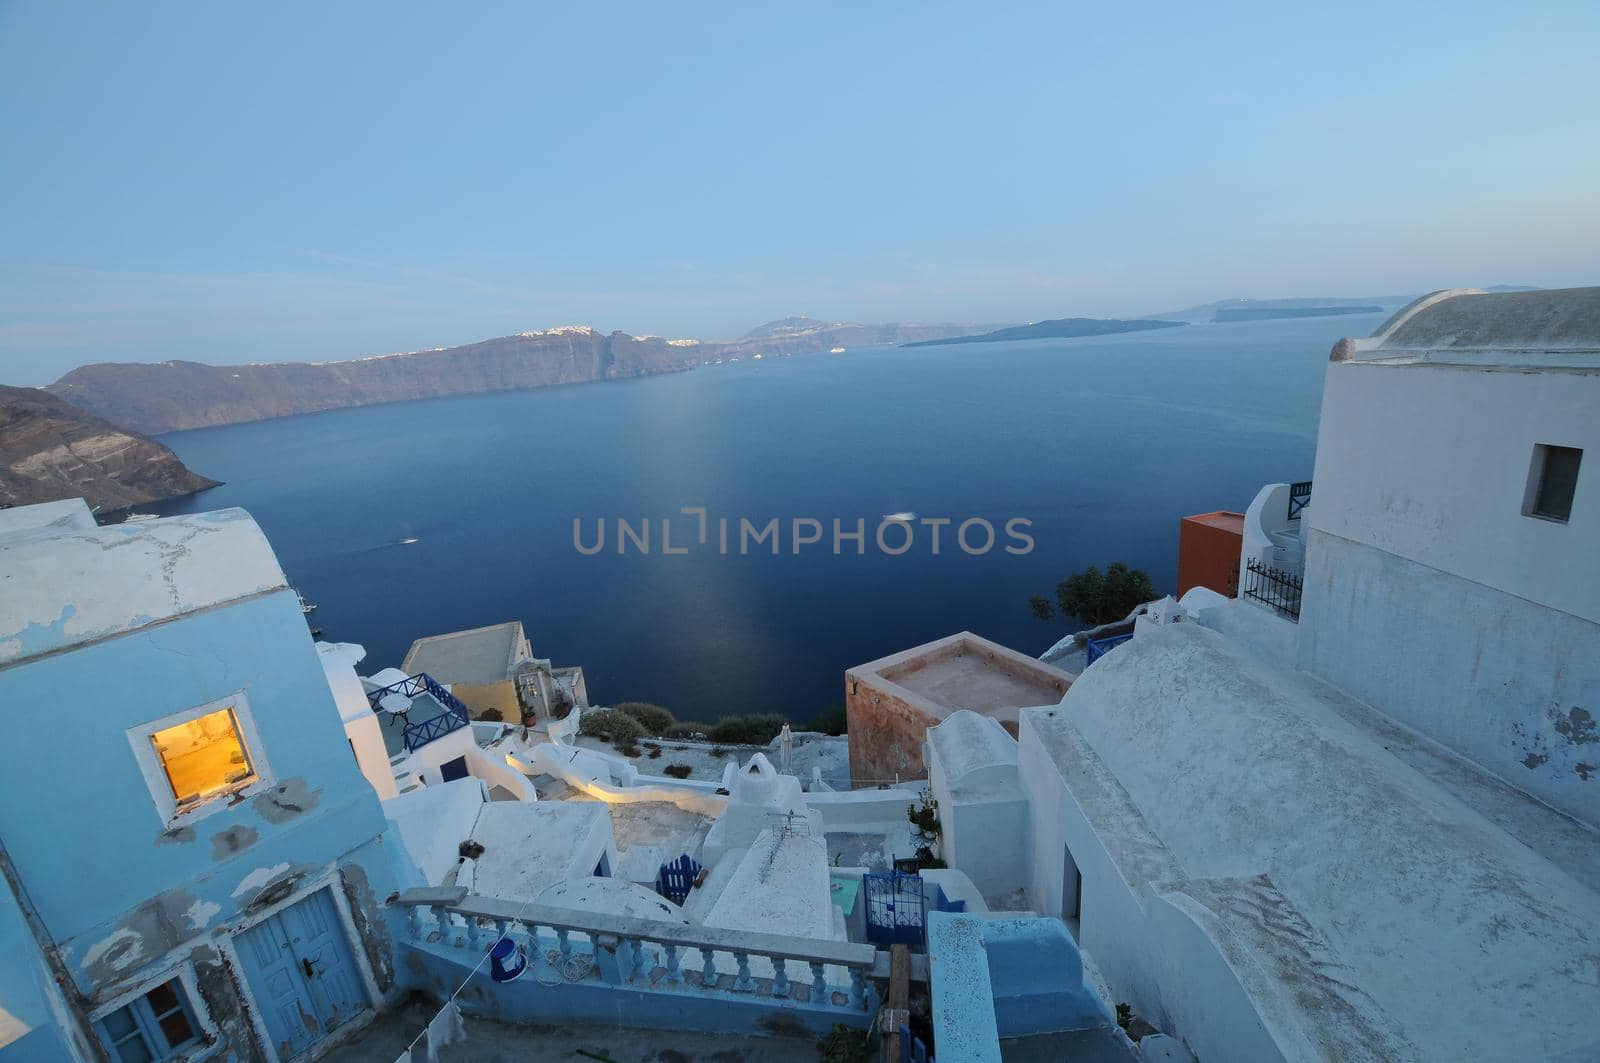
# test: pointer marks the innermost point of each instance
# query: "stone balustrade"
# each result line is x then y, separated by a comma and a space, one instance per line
566, 945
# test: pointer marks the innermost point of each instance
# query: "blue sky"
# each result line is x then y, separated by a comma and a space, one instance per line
242, 182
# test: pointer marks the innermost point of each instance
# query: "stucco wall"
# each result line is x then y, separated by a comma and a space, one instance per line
1511, 684
1431, 463
1150, 955
1430, 595
116, 888
886, 734
480, 697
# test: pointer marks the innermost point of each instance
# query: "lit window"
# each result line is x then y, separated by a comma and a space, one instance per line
203, 756
1552, 482
155, 1027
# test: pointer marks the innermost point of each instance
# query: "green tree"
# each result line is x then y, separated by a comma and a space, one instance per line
1096, 597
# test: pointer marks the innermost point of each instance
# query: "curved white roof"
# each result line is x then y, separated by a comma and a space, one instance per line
1556, 327
1387, 915
64, 584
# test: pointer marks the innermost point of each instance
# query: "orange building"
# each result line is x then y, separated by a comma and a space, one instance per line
1208, 552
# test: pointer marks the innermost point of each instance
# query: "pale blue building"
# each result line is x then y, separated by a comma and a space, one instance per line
196, 864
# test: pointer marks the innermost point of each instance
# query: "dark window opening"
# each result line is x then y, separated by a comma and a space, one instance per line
156, 1026
1553, 482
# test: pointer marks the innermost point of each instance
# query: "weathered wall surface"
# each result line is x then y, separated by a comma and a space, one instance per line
1511, 684
1430, 595
170, 892
886, 734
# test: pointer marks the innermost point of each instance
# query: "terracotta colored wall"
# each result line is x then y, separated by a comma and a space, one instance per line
886, 735
1208, 556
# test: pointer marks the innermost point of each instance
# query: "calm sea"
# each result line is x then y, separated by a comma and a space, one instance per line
1103, 444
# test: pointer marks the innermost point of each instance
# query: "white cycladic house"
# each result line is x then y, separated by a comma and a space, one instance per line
362, 726
983, 811
1453, 551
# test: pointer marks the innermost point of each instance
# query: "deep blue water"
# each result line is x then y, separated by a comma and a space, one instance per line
1102, 443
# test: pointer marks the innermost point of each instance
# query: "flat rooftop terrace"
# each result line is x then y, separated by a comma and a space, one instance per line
965, 671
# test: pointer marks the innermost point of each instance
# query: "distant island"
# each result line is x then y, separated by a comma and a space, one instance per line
1272, 313
1060, 328
51, 450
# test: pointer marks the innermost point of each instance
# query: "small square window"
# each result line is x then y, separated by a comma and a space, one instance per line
203, 756
1552, 482
154, 1027
196, 760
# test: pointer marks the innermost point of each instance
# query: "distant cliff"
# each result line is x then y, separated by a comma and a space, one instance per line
805, 335
50, 450
169, 396
1060, 328
1273, 313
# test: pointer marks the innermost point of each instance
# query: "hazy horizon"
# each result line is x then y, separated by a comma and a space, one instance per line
305, 184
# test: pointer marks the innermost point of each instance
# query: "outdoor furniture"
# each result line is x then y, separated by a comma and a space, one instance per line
397, 706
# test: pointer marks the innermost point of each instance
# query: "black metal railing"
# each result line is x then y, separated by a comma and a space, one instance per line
1299, 498
1275, 587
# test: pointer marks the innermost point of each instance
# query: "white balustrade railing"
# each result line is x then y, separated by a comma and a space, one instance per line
611, 949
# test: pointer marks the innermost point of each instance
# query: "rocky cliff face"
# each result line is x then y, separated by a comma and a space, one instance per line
50, 450
170, 396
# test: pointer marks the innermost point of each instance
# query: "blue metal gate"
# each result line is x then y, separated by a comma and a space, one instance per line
677, 878
894, 908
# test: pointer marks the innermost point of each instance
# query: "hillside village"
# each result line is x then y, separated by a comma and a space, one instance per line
1338, 798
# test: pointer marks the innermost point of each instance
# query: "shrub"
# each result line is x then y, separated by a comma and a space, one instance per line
492, 715
1096, 598
754, 730
718, 751
618, 727
832, 720
678, 771
655, 752
687, 729
653, 718
627, 749
847, 1045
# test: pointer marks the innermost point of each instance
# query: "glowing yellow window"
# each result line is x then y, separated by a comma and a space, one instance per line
203, 757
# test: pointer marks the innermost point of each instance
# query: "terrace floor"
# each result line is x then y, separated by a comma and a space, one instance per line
423, 709
972, 681
496, 1042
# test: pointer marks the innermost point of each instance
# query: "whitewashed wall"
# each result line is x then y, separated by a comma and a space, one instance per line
1430, 595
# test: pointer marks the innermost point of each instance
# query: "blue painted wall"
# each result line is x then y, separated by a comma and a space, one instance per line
35, 1024
114, 887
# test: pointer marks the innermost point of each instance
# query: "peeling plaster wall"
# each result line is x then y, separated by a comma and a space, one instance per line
117, 890
35, 1019
1511, 684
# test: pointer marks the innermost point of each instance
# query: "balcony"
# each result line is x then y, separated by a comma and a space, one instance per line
423, 706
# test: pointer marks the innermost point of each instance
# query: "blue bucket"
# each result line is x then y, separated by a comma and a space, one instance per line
506, 961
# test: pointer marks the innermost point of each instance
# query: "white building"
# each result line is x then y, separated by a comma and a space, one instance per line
1361, 824
1453, 550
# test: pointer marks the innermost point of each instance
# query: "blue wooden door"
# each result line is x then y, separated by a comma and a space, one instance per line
319, 944
301, 973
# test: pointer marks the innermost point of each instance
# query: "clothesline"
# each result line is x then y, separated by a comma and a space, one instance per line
405, 1053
